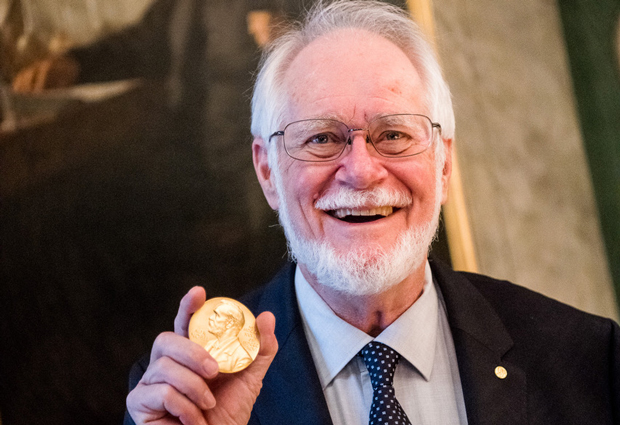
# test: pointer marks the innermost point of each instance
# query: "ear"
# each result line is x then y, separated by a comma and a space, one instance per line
447, 170
263, 172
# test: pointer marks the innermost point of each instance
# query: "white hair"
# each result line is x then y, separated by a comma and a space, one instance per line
394, 24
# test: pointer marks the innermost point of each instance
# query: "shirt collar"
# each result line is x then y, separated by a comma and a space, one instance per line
334, 342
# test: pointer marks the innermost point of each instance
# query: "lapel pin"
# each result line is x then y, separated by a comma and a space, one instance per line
501, 372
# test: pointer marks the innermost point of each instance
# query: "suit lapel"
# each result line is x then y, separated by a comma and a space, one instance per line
481, 341
291, 391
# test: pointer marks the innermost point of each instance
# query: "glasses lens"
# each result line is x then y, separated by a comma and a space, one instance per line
401, 135
315, 140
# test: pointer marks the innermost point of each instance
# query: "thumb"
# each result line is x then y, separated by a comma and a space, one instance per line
190, 303
266, 324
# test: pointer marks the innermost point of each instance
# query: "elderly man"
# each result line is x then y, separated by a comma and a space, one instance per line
353, 129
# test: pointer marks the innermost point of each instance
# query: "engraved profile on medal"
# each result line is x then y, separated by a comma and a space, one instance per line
227, 330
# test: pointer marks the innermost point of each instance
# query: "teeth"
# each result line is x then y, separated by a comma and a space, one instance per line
343, 212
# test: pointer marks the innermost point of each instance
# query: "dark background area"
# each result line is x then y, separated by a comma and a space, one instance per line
97, 253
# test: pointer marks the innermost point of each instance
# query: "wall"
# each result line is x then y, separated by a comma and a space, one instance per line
525, 174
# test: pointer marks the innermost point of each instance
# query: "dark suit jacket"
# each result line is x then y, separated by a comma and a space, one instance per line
563, 365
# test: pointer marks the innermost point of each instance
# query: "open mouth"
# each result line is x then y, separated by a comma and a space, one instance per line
354, 215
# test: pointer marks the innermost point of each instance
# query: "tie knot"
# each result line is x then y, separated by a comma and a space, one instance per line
381, 362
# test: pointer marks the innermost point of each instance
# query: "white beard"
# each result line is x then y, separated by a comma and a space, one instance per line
361, 270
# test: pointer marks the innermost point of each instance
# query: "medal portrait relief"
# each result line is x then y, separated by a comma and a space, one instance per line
225, 323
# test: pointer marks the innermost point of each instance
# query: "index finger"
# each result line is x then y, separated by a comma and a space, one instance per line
190, 303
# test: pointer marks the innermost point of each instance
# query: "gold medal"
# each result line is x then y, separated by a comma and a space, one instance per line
227, 330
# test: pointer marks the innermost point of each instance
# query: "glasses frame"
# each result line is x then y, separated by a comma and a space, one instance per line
434, 125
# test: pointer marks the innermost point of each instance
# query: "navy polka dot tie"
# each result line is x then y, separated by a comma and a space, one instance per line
381, 362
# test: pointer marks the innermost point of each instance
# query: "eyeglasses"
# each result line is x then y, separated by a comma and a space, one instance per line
393, 136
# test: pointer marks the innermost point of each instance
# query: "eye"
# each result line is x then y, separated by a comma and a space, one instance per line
392, 135
321, 139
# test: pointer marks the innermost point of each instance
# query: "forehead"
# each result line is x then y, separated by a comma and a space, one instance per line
352, 74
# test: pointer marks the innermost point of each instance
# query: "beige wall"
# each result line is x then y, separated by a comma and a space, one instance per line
525, 175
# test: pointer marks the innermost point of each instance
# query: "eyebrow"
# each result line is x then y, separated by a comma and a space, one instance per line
367, 118
311, 124
392, 119
334, 117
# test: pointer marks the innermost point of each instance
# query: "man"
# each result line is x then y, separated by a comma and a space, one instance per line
353, 130
225, 323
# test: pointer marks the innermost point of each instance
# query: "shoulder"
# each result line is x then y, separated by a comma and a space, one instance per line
510, 301
535, 322
518, 306
571, 358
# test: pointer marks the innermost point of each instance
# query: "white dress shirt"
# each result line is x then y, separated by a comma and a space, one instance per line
426, 382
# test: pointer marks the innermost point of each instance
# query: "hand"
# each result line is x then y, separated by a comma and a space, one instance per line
53, 72
182, 384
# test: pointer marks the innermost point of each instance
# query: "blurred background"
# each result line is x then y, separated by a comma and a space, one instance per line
126, 174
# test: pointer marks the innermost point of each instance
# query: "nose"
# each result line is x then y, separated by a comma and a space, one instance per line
361, 167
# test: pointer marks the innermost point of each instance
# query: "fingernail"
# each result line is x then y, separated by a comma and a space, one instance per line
210, 367
209, 400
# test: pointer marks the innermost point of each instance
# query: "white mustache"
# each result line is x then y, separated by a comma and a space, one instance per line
349, 198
